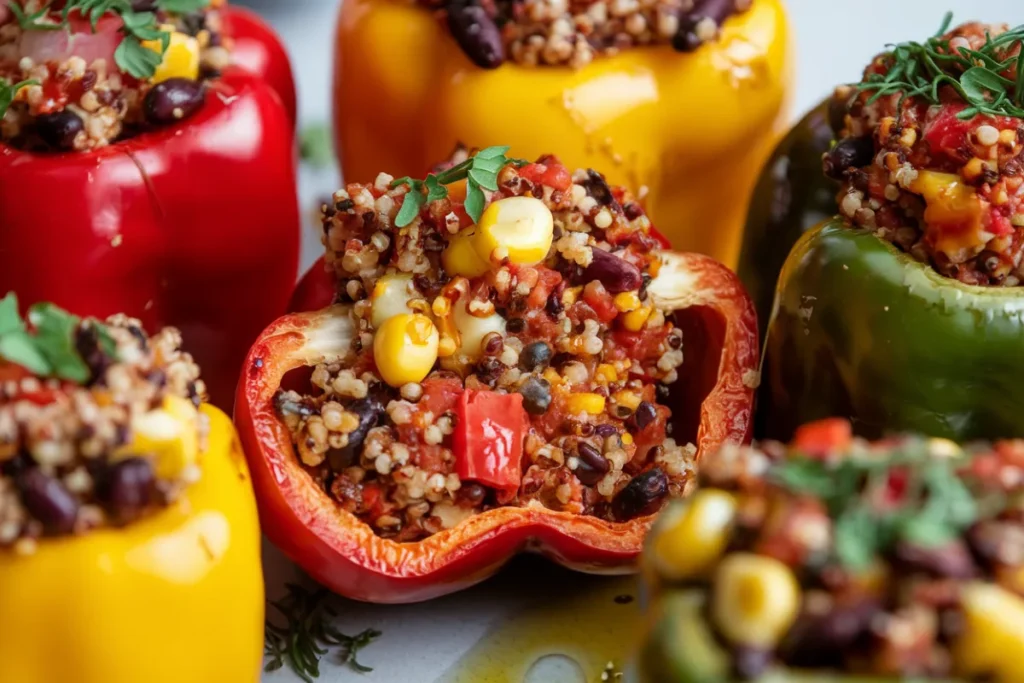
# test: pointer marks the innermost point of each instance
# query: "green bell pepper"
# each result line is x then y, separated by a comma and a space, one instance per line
792, 195
862, 330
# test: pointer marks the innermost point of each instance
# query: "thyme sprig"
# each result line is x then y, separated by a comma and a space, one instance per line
132, 55
480, 172
935, 506
921, 70
307, 635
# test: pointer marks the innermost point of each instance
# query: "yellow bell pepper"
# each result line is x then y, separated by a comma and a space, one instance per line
693, 129
174, 597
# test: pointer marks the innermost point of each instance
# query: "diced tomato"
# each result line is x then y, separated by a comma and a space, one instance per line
373, 500
440, 394
998, 223
551, 172
946, 133
488, 440
824, 437
642, 345
547, 280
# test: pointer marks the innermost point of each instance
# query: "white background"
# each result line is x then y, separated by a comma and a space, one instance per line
835, 39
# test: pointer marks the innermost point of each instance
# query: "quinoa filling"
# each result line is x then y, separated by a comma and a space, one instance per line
931, 161
506, 351
102, 430
560, 32
75, 77
899, 560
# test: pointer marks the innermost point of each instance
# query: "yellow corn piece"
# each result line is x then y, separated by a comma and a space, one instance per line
405, 348
627, 301
552, 376
390, 297
585, 403
693, 534
522, 227
169, 434
993, 634
755, 600
627, 439
630, 399
605, 373
634, 321
461, 258
181, 60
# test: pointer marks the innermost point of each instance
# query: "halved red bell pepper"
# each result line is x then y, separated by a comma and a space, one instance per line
195, 225
712, 403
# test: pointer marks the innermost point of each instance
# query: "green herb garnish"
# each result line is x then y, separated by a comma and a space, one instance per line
315, 145
306, 636
48, 349
8, 91
480, 172
921, 69
131, 55
935, 506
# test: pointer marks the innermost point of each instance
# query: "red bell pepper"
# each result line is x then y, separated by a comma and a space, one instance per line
712, 405
488, 440
195, 225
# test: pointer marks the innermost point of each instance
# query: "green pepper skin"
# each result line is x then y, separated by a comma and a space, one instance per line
792, 195
862, 330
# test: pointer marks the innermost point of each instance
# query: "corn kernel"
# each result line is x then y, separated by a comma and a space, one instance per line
627, 439
390, 297
441, 306
605, 373
993, 633
405, 348
460, 256
552, 376
628, 399
447, 347
692, 535
634, 321
627, 301
473, 328
755, 600
570, 295
585, 403
169, 434
180, 60
520, 227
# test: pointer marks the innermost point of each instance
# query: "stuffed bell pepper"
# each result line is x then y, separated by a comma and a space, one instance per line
511, 361
905, 311
127, 183
836, 560
678, 101
129, 539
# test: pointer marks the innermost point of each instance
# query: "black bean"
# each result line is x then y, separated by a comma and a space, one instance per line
536, 394
848, 153
59, 130
477, 34
515, 325
15, 465
47, 500
597, 188
686, 38
750, 662
822, 640
128, 488
535, 356
949, 561
173, 100
617, 275
488, 370
592, 465
642, 495
87, 343
644, 415
554, 305
369, 410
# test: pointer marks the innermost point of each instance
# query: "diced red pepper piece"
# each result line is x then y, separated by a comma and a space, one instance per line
488, 440
824, 437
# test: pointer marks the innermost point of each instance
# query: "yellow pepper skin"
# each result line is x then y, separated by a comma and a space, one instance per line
173, 598
693, 128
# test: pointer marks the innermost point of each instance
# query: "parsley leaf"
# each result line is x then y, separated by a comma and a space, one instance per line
480, 172
8, 91
183, 6
315, 145
31, 22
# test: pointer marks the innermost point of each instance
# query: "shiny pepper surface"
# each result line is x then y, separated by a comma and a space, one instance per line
175, 597
693, 128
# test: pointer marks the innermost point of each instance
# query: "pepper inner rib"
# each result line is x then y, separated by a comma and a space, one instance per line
515, 359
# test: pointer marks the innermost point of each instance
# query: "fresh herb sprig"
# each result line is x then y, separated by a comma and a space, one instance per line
920, 70
307, 635
8, 91
936, 505
131, 55
48, 349
480, 172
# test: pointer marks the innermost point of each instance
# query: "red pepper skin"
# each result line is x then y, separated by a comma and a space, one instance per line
488, 440
259, 50
713, 400
195, 225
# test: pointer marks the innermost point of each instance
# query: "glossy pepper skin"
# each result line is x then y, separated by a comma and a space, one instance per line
862, 330
712, 400
792, 196
174, 597
693, 128
195, 225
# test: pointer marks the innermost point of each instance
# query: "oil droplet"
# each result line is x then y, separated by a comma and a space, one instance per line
568, 636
